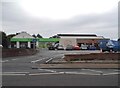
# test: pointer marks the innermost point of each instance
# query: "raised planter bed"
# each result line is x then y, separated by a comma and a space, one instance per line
92, 56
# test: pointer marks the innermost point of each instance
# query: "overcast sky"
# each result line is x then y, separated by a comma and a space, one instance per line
50, 17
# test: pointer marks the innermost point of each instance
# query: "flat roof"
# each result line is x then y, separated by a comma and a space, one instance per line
82, 35
71, 37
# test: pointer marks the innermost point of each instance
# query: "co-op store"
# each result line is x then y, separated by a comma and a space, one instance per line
26, 40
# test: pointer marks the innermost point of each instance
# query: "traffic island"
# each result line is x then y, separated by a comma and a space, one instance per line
78, 61
92, 56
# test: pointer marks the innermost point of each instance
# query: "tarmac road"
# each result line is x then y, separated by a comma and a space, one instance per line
60, 80
17, 71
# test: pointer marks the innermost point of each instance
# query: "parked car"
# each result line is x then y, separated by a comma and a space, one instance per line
1, 46
92, 47
51, 47
84, 47
56, 45
69, 47
60, 47
76, 47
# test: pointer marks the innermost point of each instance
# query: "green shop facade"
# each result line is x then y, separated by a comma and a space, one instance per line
25, 40
32, 42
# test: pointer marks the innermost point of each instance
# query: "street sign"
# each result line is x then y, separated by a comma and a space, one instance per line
34, 40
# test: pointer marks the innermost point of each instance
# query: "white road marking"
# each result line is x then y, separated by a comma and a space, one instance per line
69, 73
44, 74
47, 70
72, 72
93, 70
115, 73
4, 61
55, 73
13, 72
80, 73
37, 60
14, 59
62, 72
49, 60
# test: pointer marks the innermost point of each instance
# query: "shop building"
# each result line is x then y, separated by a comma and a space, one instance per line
23, 40
80, 39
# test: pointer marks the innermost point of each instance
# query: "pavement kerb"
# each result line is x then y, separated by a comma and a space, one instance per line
78, 66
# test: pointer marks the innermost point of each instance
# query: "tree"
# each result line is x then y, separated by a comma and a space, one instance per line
11, 35
39, 36
55, 36
0, 38
9, 38
3, 39
34, 35
17, 33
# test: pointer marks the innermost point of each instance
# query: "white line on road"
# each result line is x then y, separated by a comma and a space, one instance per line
47, 70
49, 60
115, 73
44, 74
68, 73
4, 61
93, 70
37, 60
80, 73
14, 59
13, 72
62, 72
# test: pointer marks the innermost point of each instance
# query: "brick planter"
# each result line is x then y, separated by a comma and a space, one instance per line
92, 56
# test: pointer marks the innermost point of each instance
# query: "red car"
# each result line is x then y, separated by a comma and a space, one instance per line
76, 48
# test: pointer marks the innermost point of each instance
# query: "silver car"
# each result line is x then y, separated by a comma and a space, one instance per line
60, 47
69, 47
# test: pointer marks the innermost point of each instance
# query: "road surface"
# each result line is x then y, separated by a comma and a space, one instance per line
18, 71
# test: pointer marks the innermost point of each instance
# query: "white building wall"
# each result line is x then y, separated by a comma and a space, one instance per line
29, 44
37, 44
18, 44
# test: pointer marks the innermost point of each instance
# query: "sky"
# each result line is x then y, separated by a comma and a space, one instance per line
51, 17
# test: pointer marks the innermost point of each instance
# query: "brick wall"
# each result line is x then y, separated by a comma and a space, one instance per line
17, 52
93, 56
